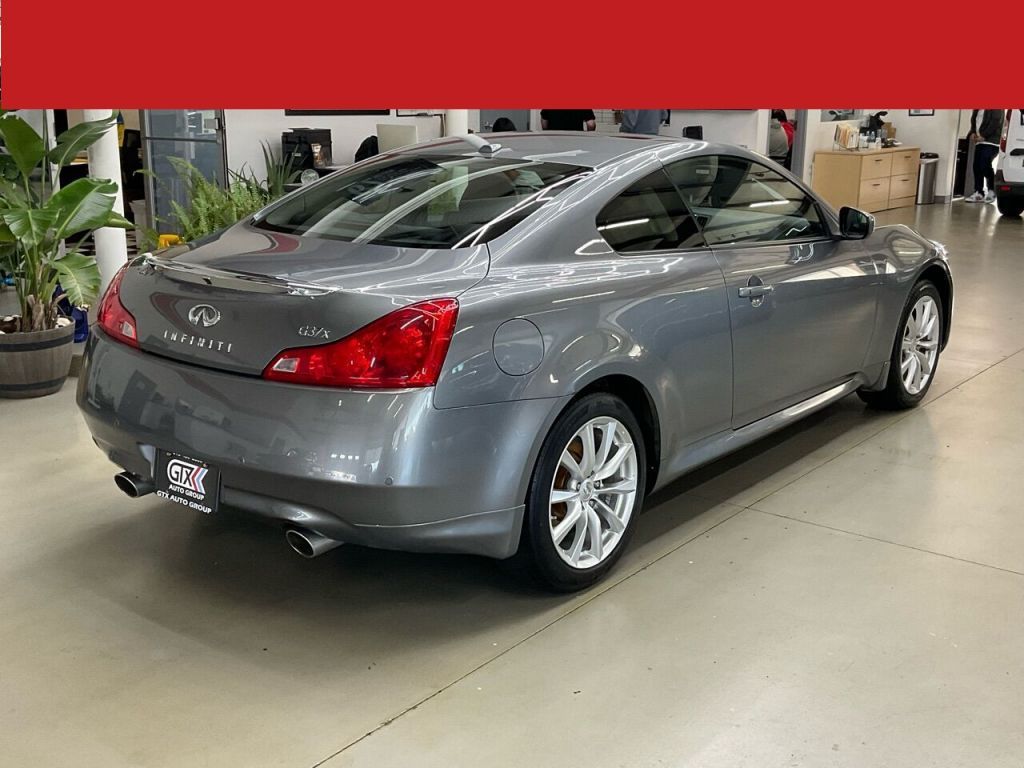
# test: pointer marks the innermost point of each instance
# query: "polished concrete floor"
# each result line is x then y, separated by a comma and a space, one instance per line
847, 593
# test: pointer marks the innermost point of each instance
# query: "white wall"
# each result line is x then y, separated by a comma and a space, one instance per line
131, 117
819, 137
937, 133
745, 127
244, 129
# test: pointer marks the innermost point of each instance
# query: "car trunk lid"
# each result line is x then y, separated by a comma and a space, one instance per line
237, 300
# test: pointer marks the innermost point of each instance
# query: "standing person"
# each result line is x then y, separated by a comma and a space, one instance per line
778, 144
788, 127
568, 120
987, 135
646, 121
503, 124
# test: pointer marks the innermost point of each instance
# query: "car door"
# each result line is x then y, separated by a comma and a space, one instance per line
679, 315
801, 302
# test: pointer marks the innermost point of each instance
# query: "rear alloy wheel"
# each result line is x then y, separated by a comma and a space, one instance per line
916, 353
587, 489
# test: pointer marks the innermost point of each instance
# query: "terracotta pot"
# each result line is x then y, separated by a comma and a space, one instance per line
35, 363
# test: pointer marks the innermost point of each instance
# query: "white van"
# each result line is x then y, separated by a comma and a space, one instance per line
1010, 171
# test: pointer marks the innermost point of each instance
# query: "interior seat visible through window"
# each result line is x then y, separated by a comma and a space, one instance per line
739, 200
648, 216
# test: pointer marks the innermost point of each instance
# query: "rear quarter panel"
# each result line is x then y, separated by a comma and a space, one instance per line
661, 319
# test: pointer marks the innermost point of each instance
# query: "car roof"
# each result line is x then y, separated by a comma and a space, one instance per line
576, 147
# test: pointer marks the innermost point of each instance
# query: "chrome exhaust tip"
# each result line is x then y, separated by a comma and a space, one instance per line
133, 485
309, 544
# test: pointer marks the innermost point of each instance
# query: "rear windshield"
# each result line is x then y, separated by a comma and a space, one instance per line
423, 201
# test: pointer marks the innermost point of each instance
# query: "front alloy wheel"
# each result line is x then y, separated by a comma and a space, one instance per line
915, 354
920, 346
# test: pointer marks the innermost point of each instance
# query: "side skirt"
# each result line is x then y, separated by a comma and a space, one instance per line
716, 446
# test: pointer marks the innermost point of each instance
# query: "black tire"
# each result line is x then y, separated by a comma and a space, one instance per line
537, 550
895, 396
1010, 206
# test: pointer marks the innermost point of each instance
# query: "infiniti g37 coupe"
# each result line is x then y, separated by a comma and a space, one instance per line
500, 349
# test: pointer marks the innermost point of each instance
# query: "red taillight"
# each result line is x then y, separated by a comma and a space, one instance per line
1006, 130
405, 348
113, 317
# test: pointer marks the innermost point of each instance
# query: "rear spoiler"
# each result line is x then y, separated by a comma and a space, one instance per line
230, 280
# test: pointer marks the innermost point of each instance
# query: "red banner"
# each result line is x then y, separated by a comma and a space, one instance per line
712, 55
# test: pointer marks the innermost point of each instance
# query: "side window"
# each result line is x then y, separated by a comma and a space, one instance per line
736, 200
648, 216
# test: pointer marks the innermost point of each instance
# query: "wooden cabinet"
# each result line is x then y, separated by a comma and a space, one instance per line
872, 179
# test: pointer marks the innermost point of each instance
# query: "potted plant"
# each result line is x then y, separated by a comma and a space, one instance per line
35, 220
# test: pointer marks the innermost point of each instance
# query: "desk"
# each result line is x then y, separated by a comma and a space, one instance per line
868, 179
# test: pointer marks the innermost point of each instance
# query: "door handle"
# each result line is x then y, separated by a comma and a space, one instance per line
755, 291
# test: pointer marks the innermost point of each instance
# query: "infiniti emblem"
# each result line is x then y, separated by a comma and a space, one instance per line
204, 315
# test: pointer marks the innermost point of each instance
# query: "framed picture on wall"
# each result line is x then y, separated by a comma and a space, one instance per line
921, 112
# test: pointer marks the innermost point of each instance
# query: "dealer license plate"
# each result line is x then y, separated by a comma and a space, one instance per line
189, 482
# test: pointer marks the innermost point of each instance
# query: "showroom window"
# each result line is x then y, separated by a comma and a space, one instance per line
648, 216
737, 200
423, 201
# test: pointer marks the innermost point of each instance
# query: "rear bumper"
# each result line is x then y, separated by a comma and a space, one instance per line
1008, 189
383, 469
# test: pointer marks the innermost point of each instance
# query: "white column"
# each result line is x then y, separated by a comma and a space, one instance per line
805, 143
456, 122
105, 163
763, 121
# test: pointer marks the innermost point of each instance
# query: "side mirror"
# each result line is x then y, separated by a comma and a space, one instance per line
854, 224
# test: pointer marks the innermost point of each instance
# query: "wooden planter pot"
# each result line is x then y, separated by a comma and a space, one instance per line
36, 363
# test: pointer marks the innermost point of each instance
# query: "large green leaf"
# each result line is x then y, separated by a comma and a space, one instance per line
82, 205
79, 278
78, 138
22, 141
29, 225
8, 257
117, 220
12, 195
8, 168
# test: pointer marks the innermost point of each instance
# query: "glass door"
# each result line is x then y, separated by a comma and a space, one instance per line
195, 136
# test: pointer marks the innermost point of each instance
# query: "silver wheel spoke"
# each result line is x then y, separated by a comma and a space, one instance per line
924, 363
612, 466
607, 438
569, 462
577, 543
596, 534
587, 437
562, 497
614, 523
929, 327
923, 318
912, 324
911, 374
571, 520
622, 486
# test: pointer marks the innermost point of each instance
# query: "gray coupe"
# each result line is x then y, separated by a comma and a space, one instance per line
499, 345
